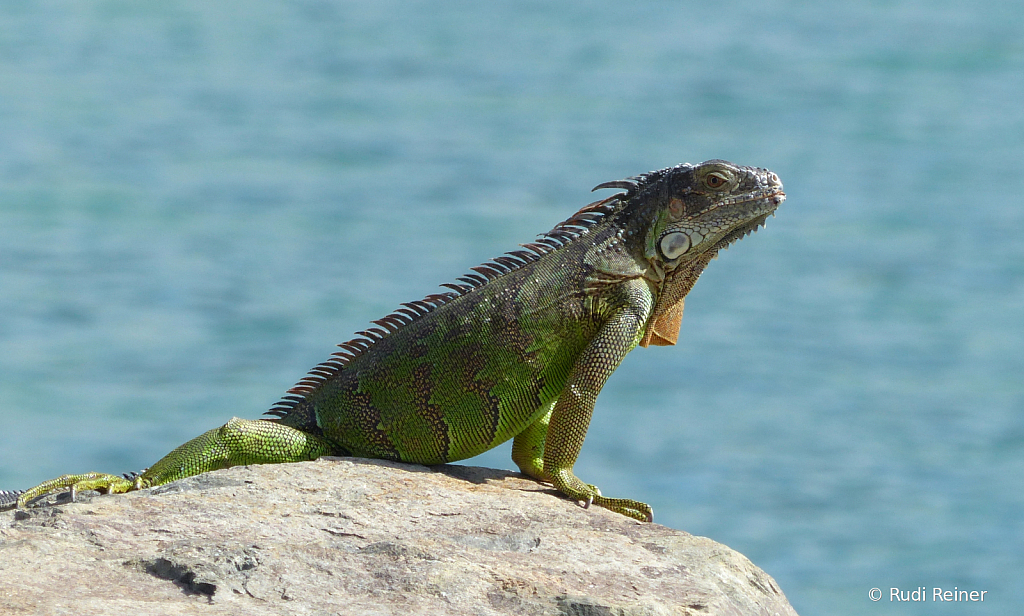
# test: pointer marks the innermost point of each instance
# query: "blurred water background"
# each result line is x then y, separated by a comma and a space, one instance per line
198, 200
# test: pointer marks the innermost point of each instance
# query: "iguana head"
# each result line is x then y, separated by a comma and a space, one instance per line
697, 211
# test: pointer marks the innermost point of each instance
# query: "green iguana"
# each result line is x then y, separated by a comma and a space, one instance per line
518, 349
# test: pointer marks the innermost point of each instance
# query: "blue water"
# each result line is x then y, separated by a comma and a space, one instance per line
198, 200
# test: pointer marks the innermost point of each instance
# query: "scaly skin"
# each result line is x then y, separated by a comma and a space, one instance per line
9, 498
520, 349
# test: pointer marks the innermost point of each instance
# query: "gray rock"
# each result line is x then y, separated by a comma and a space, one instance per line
352, 536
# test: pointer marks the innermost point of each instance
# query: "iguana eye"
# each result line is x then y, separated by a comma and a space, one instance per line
715, 180
674, 245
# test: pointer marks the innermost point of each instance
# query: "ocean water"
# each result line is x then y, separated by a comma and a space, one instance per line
198, 200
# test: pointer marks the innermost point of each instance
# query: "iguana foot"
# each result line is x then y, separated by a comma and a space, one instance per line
588, 494
627, 507
111, 484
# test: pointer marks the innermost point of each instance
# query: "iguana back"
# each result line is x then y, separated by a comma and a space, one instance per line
455, 374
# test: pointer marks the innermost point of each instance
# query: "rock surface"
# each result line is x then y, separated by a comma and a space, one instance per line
352, 536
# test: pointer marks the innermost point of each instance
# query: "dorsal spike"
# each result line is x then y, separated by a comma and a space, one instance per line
458, 288
559, 238
509, 262
386, 325
602, 206
525, 255
588, 219
487, 272
629, 185
538, 249
373, 333
415, 307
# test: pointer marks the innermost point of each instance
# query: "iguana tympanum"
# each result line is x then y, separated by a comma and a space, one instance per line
518, 349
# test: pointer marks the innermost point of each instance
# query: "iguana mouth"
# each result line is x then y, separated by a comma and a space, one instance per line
774, 197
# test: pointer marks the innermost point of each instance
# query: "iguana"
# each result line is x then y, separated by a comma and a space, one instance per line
519, 349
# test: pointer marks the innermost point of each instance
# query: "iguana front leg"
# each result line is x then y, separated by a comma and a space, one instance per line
240, 441
571, 414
